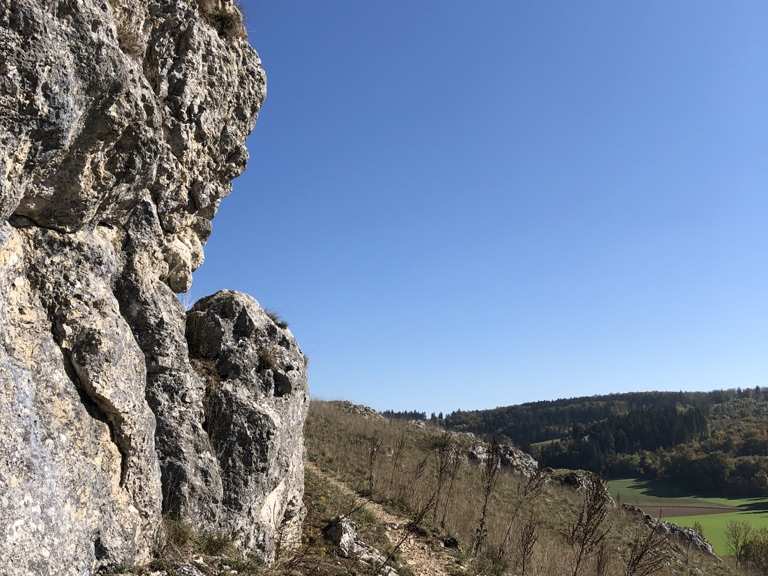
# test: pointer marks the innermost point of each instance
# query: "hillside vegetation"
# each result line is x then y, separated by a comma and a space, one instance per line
714, 443
549, 523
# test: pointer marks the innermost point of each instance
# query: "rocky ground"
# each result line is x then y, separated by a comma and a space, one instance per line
420, 552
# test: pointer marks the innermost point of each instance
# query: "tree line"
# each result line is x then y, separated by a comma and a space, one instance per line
714, 442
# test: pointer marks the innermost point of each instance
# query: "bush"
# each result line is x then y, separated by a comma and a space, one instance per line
755, 551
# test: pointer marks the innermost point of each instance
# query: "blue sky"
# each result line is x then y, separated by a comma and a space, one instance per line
472, 204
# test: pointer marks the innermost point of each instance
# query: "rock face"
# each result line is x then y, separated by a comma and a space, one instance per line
122, 125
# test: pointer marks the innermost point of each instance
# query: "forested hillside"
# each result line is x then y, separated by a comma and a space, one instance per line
710, 441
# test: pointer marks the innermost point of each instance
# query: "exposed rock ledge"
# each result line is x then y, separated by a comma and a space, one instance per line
122, 125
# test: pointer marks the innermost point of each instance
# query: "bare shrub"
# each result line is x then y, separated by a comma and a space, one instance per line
454, 466
416, 477
648, 554
397, 457
588, 530
374, 447
181, 539
178, 535
601, 560
215, 544
275, 317
755, 552
529, 535
227, 20
526, 493
444, 451
491, 468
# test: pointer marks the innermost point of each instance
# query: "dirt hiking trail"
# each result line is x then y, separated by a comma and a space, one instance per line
423, 555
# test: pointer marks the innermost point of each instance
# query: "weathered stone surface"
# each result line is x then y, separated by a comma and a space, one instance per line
191, 483
255, 405
122, 125
343, 533
105, 103
79, 482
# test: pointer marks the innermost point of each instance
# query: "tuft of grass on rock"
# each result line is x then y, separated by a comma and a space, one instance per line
275, 317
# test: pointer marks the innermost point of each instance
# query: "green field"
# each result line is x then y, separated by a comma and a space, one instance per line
656, 492
714, 525
680, 507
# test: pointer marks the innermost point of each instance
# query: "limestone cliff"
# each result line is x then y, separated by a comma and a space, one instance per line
122, 124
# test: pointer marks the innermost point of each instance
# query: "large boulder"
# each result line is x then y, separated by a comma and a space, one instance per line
254, 409
122, 124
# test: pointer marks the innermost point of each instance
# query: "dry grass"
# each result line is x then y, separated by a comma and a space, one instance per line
319, 557
276, 318
407, 475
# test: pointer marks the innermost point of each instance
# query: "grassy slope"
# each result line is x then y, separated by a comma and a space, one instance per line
337, 441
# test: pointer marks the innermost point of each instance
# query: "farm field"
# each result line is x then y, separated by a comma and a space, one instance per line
714, 525
675, 505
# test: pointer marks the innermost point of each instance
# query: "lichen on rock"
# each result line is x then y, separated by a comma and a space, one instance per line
122, 125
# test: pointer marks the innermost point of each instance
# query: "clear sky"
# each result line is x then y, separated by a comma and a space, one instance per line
472, 204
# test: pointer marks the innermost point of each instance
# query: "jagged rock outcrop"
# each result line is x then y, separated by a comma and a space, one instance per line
255, 405
581, 481
356, 409
122, 125
685, 537
510, 457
